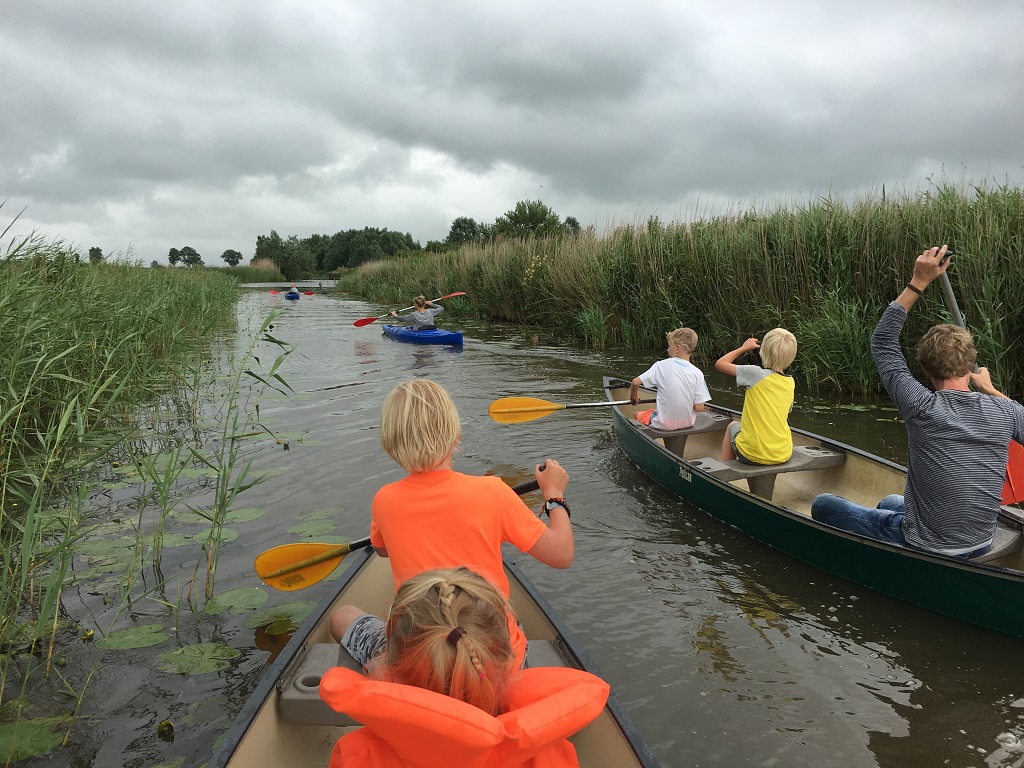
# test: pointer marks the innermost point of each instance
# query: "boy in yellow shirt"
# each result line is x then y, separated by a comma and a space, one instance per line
762, 435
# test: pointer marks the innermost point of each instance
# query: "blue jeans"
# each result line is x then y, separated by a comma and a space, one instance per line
884, 522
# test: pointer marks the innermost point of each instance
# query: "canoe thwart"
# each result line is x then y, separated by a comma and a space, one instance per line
761, 477
675, 440
1007, 541
299, 686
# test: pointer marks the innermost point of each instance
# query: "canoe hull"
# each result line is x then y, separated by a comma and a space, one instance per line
292, 296
261, 737
986, 595
436, 336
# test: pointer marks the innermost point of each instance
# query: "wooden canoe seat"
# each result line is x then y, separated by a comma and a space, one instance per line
675, 440
1007, 541
299, 686
761, 478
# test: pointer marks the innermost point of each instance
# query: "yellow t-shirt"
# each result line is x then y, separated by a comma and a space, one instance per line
764, 435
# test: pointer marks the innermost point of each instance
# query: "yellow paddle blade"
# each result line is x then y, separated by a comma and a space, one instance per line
515, 410
297, 566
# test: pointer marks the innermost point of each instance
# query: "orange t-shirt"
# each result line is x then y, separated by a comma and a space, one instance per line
444, 519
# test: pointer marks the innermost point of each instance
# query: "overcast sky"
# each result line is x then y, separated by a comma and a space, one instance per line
148, 125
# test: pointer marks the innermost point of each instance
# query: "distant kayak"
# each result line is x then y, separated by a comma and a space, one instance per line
292, 296
435, 336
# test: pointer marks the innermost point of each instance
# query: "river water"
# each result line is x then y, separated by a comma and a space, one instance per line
726, 652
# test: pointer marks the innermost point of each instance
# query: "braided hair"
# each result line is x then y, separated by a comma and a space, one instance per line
448, 632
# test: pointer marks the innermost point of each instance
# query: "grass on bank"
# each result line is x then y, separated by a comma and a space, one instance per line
825, 270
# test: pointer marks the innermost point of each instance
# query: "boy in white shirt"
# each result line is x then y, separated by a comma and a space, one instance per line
680, 384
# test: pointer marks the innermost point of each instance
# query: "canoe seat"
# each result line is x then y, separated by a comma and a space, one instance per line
299, 687
675, 440
761, 478
1007, 541
544, 653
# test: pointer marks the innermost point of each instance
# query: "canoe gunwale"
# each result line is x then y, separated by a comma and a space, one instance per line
264, 690
570, 644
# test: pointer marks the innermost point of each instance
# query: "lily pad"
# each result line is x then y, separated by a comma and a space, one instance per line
175, 540
278, 619
313, 528
133, 637
320, 513
199, 658
29, 738
226, 535
244, 515
195, 472
236, 601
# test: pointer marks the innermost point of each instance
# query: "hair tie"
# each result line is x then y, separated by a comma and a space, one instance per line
455, 634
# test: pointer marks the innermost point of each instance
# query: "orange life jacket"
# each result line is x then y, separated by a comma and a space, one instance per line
409, 727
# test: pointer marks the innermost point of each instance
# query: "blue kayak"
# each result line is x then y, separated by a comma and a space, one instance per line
435, 336
292, 296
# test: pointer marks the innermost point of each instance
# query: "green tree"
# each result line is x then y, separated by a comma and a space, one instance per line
173, 256
528, 218
190, 257
232, 257
463, 230
95, 255
154, 264
270, 247
572, 225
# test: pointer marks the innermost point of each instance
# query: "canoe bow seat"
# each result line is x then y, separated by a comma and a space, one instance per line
761, 478
675, 440
299, 687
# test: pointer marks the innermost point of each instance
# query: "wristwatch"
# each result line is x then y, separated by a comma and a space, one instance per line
552, 503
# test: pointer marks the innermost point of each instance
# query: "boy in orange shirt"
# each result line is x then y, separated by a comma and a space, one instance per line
438, 518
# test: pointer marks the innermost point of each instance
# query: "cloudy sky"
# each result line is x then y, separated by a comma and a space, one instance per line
141, 126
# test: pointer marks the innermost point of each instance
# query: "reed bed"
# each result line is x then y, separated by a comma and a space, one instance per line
83, 346
825, 270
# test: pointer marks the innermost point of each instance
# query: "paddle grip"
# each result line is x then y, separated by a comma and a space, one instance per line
530, 485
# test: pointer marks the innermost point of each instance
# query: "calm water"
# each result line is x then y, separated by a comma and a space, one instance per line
724, 651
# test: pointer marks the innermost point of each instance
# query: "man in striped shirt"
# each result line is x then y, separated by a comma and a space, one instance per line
958, 439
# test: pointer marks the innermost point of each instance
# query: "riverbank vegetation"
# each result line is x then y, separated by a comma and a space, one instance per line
825, 270
104, 370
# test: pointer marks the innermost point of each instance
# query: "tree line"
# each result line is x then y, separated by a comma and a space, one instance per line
297, 257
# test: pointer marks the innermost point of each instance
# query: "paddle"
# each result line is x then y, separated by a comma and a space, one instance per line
516, 410
296, 566
1013, 487
368, 320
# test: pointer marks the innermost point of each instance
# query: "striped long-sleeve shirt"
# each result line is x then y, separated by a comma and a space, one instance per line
957, 450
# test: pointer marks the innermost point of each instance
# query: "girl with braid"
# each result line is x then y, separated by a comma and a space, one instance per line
447, 690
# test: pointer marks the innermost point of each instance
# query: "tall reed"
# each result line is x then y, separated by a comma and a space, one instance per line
83, 345
825, 269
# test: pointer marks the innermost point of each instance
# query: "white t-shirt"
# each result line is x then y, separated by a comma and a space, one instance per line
680, 386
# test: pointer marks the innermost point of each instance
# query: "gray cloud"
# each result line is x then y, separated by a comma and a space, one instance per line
216, 122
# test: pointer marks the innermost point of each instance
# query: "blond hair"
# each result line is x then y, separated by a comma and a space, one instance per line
448, 632
946, 352
419, 426
778, 349
684, 337
420, 302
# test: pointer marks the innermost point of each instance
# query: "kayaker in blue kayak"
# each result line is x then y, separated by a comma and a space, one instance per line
293, 291
423, 314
